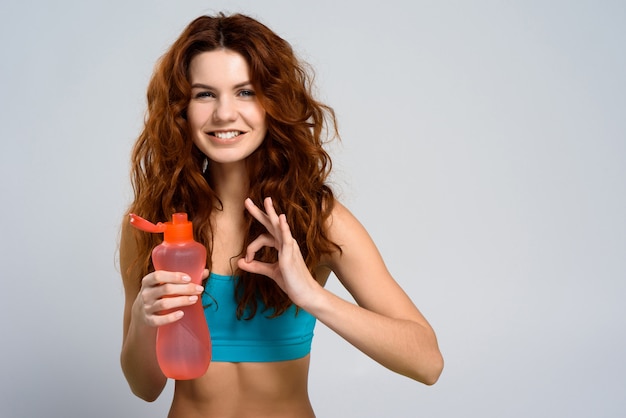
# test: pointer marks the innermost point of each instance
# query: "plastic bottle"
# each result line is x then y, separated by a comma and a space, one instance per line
183, 347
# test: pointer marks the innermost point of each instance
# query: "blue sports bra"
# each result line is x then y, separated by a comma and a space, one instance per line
260, 339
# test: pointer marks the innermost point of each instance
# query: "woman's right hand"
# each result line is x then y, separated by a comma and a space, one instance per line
162, 294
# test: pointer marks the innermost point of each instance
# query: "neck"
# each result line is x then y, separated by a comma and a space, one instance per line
231, 184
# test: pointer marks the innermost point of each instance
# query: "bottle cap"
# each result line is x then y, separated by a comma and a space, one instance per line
179, 229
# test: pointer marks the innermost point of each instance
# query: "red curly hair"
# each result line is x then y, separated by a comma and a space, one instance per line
291, 164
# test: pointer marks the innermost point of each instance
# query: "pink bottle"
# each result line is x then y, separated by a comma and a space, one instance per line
183, 347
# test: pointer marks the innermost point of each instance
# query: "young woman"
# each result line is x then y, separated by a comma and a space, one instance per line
234, 138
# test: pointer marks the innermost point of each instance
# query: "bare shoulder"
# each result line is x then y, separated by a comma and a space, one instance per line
345, 230
362, 271
342, 224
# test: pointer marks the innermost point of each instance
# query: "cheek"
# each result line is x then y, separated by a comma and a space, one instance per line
192, 119
194, 126
195, 117
260, 118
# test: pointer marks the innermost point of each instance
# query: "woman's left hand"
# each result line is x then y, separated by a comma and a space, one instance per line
290, 272
384, 324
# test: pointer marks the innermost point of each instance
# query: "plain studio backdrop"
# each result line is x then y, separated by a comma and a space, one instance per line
483, 146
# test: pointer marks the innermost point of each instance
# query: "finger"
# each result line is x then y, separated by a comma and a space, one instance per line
161, 284
169, 290
289, 245
257, 267
167, 309
160, 277
264, 240
160, 320
258, 214
270, 210
169, 304
285, 230
164, 319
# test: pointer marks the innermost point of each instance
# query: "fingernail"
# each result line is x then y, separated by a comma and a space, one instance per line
199, 288
193, 299
186, 278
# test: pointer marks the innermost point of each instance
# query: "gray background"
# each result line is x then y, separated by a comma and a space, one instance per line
484, 148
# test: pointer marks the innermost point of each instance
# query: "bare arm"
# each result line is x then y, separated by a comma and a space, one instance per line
144, 299
385, 325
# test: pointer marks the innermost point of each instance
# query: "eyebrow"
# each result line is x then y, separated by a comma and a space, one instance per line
207, 87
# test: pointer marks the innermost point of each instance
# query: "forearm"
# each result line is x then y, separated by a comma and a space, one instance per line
404, 346
392, 331
139, 362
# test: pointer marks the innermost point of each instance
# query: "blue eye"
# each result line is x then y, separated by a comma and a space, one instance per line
203, 94
247, 93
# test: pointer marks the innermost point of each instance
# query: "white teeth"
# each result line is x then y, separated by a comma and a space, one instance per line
226, 135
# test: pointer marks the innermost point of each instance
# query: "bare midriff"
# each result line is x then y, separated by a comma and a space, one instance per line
242, 390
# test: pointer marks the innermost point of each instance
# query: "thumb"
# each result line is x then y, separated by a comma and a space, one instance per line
255, 266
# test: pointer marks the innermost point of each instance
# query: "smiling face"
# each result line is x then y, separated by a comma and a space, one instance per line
225, 119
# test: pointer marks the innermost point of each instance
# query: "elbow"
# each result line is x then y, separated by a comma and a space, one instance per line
144, 395
434, 370
427, 372
145, 388
431, 363
146, 392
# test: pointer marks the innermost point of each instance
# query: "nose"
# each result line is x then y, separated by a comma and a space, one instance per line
225, 110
